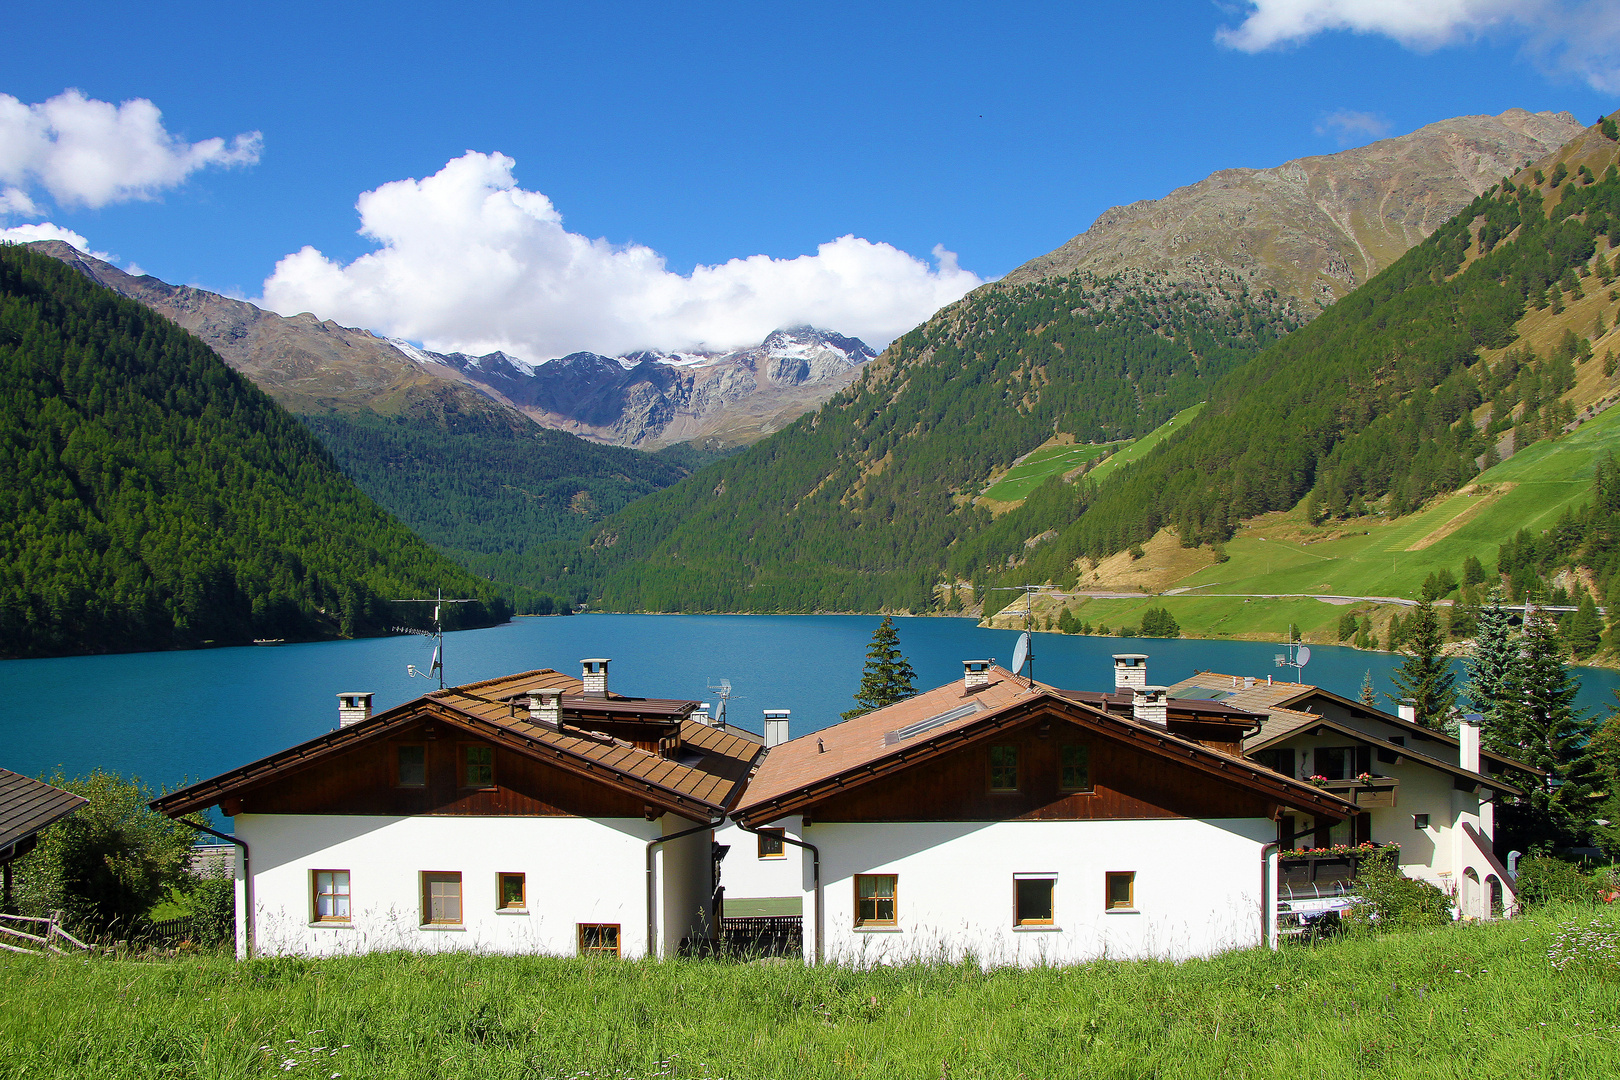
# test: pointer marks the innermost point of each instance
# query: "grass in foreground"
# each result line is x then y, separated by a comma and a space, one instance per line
1471, 1000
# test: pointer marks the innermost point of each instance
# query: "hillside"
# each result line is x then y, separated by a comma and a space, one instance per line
1315, 228
153, 498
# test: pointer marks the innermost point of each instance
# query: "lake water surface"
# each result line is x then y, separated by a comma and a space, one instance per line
173, 716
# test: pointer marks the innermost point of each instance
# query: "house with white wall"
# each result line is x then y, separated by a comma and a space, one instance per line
1005, 820
536, 813
1429, 792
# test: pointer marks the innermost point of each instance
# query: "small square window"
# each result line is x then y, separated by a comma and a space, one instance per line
599, 939
479, 767
441, 899
513, 895
412, 766
1121, 891
1075, 768
875, 896
1004, 768
1033, 901
1420, 821
331, 896
771, 845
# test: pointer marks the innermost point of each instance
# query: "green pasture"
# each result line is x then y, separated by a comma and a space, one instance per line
1147, 442
1218, 617
1032, 472
1478, 1000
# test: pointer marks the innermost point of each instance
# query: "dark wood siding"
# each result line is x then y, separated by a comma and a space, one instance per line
362, 781
1126, 784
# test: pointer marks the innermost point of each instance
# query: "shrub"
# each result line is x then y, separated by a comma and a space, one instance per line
1546, 880
1389, 900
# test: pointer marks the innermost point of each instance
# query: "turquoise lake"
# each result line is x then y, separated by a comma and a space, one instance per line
173, 716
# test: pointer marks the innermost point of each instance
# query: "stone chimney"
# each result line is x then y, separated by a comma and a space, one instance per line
353, 708
545, 707
1150, 705
594, 676
1407, 711
1130, 671
975, 673
776, 726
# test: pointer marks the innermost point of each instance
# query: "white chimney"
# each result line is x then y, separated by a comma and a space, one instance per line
1130, 670
594, 676
701, 713
545, 707
353, 708
776, 726
1407, 712
975, 673
1150, 705
1468, 742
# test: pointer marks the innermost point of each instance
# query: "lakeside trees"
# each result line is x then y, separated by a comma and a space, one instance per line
888, 676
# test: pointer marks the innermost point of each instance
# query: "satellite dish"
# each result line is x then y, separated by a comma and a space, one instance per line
1021, 653
1304, 656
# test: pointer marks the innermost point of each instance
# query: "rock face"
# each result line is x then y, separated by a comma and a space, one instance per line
654, 399
1315, 228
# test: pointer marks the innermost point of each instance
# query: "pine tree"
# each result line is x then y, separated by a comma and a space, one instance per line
1493, 675
1585, 630
1425, 678
1369, 694
888, 677
1552, 734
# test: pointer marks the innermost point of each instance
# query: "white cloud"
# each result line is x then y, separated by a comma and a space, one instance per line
1567, 37
28, 234
90, 153
469, 261
1348, 126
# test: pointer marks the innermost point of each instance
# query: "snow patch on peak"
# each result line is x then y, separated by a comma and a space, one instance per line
421, 356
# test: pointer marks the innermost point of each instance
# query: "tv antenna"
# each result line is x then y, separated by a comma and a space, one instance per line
1296, 657
1023, 652
437, 634
723, 694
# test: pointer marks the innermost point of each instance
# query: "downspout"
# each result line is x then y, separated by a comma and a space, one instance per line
247, 883
1267, 938
815, 876
652, 906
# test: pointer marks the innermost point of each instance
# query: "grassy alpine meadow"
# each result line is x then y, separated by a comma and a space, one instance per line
1530, 997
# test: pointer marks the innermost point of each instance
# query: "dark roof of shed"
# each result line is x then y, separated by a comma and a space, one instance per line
28, 805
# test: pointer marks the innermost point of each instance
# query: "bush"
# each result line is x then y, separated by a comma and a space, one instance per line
213, 911
1546, 880
1391, 901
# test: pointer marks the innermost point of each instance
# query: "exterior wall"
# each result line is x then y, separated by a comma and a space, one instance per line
684, 871
578, 870
1197, 891
746, 876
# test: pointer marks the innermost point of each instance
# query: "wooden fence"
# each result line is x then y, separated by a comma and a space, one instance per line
30, 934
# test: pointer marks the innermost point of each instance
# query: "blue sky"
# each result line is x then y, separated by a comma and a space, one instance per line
709, 133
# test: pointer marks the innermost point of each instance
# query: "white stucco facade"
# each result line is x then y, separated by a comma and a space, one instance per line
748, 876
1197, 889
576, 871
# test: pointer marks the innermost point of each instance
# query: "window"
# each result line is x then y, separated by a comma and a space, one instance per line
1420, 821
599, 939
1336, 762
1004, 768
331, 896
771, 845
1277, 759
412, 771
1032, 903
478, 767
1121, 891
875, 899
1074, 768
441, 899
512, 893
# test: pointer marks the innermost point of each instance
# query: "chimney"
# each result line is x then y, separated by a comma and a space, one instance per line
353, 708
701, 713
545, 707
594, 676
1130, 671
1468, 742
1407, 711
975, 673
1150, 705
776, 727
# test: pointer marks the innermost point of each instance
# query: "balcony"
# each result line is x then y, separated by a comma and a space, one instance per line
1370, 793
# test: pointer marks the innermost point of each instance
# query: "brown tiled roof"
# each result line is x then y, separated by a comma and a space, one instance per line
886, 739
28, 805
1122, 701
704, 778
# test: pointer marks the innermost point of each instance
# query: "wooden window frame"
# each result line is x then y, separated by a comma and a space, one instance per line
500, 891
427, 879
893, 897
1129, 877
1017, 766
398, 781
1050, 881
315, 895
1091, 785
597, 950
462, 753
781, 845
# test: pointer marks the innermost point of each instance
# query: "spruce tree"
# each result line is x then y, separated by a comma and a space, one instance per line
1553, 735
888, 677
1369, 695
1585, 632
1424, 677
1493, 676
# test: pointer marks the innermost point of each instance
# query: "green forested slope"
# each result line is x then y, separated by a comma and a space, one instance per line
153, 498
856, 506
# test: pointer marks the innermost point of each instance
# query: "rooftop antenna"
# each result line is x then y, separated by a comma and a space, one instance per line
1296, 657
437, 634
723, 693
1023, 652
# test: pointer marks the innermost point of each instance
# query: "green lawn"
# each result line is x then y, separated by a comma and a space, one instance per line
1476, 1000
